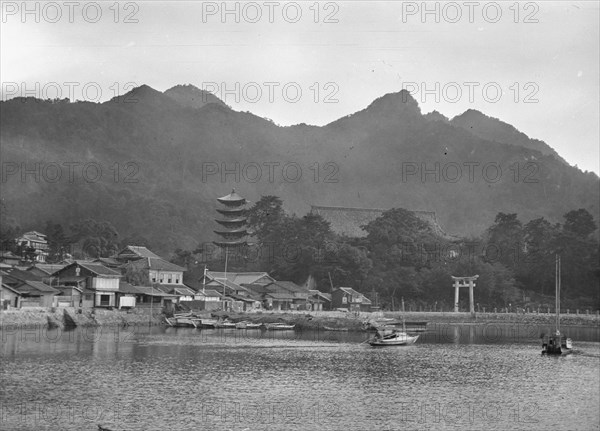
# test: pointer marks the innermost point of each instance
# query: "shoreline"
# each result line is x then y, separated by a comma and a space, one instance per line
70, 318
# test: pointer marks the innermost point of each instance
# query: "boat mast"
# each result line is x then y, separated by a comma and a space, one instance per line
557, 294
403, 320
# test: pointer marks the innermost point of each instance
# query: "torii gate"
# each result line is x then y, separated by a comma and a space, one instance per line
464, 282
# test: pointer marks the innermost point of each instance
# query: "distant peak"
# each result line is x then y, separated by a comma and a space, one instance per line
436, 116
401, 100
142, 93
192, 97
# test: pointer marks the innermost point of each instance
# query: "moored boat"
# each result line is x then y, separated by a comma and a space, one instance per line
183, 320
329, 328
557, 343
395, 338
279, 326
248, 325
208, 323
225, 324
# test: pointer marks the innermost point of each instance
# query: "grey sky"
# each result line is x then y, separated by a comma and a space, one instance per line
374, 48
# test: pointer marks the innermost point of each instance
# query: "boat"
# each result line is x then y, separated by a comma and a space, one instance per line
225, 324
391, 335
183, 320
329, 328
279, 326
395, 338
208, 323
557, 343
248, 325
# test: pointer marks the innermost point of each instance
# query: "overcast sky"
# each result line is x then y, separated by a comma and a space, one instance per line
354, 53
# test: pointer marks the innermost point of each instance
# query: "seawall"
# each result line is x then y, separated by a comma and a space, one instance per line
69, 317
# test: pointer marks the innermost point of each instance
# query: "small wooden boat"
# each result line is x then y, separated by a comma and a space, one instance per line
329, 328
208, 323
248, 325
183, 320
279, 326
396, 338
556, 344
225, 324
390, 335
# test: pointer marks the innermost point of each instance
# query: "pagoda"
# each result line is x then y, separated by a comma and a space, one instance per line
234, 232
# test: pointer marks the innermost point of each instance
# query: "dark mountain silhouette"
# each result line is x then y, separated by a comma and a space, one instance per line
165, 157
493, 129
192, 97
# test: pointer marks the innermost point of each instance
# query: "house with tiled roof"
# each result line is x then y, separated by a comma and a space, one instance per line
350, 299
99, 284
36, 241
45, 270
130, 296
36, 294
8, 258
9, 296
158, 271
319, 301
134, 252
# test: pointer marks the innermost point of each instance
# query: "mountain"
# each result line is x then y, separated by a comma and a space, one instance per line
492, 129
153, 163
192, 97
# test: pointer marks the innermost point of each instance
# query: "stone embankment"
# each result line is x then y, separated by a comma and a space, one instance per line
356, 321
71, 317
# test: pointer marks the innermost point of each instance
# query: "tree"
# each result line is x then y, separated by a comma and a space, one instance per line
98, 239
505, 240
265, 213
58, 243
579, 222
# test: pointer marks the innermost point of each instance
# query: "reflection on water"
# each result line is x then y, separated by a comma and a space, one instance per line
455, 377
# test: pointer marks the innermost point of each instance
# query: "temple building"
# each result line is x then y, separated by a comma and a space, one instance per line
234, 220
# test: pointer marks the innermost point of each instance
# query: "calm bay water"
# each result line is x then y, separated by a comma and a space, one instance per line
456, 377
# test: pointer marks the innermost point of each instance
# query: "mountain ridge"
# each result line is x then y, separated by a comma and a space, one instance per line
187, 154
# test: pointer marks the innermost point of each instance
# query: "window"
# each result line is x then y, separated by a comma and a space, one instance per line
170, 280
154, 280
177, 280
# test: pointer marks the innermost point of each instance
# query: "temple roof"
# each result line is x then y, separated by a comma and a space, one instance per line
230, 243
232, 198
235, 221
348, 221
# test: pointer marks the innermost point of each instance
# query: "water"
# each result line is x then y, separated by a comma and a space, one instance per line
457, 377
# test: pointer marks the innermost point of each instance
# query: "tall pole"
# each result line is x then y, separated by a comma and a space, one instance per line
557, 294
225, 281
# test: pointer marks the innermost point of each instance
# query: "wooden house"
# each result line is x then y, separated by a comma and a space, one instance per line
36, 294
319, 301
350, 299
36, 241
98, 283
9, 296
9, 258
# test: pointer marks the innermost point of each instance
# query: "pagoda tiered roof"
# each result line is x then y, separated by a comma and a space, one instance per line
232, 212
232, 199
232, 222
230, 244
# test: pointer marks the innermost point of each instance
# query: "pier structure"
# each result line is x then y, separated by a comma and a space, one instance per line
465, 282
